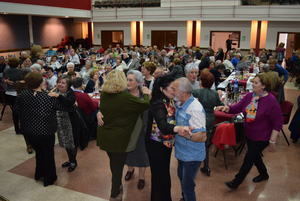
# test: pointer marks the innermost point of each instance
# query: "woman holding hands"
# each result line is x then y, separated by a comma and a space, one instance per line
263, 121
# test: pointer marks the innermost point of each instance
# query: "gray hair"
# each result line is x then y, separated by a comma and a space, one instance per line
184, 85
89, 62
189, 67
218, 62
40, 61
70, 64
134, 54
266, 68
138, 76
36, 67
212, 59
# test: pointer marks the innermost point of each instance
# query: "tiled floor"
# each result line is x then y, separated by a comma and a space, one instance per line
91, 180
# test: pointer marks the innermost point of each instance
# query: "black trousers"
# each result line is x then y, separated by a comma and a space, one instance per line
252, 157
207, 146
159, 158
44, 156
116, 162
11, 100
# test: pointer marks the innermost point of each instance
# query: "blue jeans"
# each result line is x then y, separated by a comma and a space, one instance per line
187, 172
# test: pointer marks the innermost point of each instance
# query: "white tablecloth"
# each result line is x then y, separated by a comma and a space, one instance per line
231, 77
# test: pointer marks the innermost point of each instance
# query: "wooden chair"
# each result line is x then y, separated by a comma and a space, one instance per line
286, 109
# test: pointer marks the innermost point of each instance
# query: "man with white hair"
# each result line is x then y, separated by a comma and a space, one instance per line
190, 147
163, 59
71, 69
51, 79
134, 63
36, 68
74, 58
40, 62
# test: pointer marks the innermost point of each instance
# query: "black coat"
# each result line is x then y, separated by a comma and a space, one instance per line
90, 87
37, 113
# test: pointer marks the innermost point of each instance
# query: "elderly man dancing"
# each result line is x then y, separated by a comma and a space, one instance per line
189, 147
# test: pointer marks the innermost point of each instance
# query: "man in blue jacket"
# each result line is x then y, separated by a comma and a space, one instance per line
190, 147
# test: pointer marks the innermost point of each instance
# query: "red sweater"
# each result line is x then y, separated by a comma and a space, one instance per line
86, 103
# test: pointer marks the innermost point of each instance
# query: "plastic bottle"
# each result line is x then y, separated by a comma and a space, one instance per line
236, 86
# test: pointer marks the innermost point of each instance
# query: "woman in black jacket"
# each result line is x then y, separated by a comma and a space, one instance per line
160, 131
93, 83
37, 120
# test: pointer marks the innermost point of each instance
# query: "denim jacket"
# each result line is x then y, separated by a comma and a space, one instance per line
191, 113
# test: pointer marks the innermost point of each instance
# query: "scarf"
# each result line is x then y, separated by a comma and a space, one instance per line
251, 109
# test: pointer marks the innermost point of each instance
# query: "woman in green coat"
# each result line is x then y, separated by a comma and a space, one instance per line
120, 112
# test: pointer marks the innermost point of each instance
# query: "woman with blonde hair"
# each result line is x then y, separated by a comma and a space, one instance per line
120, 111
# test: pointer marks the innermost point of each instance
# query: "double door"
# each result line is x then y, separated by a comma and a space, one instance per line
163, 38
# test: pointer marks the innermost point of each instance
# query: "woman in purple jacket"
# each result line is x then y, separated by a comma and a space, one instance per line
263, 121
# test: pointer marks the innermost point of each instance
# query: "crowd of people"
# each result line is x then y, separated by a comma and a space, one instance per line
150, 100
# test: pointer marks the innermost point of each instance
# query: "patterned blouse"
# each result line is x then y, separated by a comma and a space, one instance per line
37, 112
158, 134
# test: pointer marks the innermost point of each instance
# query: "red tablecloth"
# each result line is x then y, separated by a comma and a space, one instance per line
222, 116
241, 83
224, 135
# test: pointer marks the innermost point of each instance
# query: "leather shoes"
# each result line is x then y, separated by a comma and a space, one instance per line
65, 164
72, 167
128, 175
29, 149
260, 178
205, 170
141, 184
232, 185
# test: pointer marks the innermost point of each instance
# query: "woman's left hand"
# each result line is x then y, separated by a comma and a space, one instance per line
168, 144
53, 94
